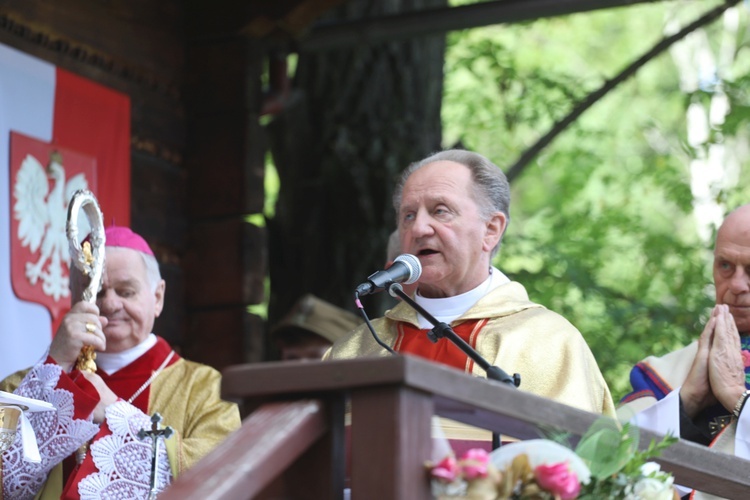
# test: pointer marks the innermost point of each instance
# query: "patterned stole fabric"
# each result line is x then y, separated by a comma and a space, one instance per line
745, 345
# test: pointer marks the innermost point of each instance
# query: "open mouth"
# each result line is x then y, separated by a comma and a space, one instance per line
427, 251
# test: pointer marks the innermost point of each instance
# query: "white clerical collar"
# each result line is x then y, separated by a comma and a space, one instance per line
112, 362
447, 309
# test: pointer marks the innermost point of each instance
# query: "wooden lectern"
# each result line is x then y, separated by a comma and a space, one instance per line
298, 430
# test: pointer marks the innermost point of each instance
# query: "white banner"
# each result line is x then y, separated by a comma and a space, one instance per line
27, 92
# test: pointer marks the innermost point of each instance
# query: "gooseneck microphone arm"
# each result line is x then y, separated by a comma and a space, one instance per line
441, 330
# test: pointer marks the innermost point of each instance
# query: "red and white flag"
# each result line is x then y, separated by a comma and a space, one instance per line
58, 133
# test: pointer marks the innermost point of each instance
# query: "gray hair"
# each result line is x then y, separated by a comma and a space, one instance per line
152, 270
491, 188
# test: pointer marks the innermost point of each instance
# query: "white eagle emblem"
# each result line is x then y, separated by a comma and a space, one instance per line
41, 213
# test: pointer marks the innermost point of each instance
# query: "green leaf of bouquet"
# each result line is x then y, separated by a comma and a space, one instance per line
606, 448
556, 435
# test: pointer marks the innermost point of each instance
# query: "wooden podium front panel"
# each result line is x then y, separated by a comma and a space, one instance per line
390, 441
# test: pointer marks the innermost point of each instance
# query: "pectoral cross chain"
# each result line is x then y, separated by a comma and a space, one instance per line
155, 433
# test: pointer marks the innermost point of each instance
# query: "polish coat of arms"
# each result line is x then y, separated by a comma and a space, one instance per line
43, 180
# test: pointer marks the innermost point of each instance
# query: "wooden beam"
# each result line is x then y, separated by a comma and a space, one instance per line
474, 401
268, 442
439, 21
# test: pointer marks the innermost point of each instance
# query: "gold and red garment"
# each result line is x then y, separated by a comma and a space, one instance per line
509, 331
186, 394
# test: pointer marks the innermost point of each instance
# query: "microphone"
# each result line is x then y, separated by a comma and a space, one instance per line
406, 269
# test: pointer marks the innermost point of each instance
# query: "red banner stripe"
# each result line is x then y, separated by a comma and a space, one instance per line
95, 120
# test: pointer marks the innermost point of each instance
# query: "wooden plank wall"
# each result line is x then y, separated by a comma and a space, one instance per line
197, 153
226, 256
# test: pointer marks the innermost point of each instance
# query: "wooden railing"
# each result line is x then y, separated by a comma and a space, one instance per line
297, 431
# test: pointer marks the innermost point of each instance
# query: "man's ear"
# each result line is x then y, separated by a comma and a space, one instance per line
495, 229
159, 296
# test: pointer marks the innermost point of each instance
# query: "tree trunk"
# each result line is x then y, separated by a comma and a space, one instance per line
358, 115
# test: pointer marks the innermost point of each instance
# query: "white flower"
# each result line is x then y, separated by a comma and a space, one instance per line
650, 468
455, 489
649, 488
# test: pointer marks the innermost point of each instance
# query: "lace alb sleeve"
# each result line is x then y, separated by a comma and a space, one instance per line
123, 460
58, 434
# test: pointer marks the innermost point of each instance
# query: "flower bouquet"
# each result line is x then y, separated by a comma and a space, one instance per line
606, 464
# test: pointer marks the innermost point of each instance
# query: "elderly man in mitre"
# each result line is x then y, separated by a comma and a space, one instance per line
89, 447
452, 212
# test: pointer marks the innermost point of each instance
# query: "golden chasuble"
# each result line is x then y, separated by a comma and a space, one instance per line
519, 336
187, 394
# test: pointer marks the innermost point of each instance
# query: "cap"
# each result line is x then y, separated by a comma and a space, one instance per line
119, 236
320, 317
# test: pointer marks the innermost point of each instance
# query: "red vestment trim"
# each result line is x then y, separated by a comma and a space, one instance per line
413, 340
124, 383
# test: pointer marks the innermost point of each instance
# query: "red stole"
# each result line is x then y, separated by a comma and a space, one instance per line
124, 382
129, 379
412, 340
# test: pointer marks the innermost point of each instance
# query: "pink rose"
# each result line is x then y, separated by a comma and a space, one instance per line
746, 358
446, 470
474, 463
558, 479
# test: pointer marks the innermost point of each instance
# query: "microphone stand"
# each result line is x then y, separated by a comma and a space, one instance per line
443, 330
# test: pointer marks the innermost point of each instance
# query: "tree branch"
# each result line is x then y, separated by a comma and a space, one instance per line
666, 42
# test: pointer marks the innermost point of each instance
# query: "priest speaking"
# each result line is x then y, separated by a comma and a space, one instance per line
452, 210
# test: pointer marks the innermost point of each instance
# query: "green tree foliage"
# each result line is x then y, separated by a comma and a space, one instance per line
603, 229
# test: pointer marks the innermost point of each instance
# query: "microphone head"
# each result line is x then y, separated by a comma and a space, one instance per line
413, 264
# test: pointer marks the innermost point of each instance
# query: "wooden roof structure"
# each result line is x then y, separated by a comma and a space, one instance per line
192, 69
298, 21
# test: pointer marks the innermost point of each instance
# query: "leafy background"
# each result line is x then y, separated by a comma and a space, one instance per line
611, 225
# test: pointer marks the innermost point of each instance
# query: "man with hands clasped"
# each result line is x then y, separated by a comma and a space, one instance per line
700, 392
717, 375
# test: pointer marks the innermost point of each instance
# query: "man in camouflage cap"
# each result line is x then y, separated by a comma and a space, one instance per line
310, 328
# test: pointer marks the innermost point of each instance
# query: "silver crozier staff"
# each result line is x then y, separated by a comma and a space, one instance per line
88, 258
